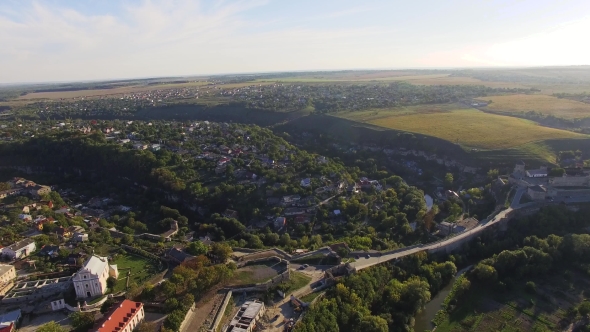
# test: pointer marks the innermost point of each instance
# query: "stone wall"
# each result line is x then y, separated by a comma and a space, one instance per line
220, 312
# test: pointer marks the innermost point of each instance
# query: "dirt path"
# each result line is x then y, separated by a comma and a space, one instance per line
203, 310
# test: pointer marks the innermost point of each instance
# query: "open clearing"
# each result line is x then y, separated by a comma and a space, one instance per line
253, 274
141, 269
468, 127
550, 105
516, 310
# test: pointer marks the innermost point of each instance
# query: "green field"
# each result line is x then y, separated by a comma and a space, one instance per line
142, 269
469, 128
544, 104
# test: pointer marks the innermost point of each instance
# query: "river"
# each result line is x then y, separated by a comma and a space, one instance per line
424, 318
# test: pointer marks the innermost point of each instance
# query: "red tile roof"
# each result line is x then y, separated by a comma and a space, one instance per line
120, 317
7, 328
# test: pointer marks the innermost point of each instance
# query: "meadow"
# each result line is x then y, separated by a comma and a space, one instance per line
560, 107
470, 128
142, 269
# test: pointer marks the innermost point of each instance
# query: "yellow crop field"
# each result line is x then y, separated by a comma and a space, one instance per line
473, 129
545, 104
107, 92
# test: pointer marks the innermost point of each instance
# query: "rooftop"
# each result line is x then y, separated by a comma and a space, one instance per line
538, 188
245, 316
9, 318
96, 264
119, 318
21, 244
5, 268
537, 172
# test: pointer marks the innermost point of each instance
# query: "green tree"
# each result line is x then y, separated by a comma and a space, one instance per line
449, 180
197, 248
584, 308
51, 327
111, 282
373, 324
221, 250
493, 173
106, 305
82, 320
146, 327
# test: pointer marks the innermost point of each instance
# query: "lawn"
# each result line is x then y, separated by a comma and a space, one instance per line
298, 280
141, 269
560, 107
253, 274
469, 128
310, 297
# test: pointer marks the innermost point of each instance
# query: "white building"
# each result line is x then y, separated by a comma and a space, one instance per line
19, 249
124, 318
91, 280
7, 276
537, 173
246, 318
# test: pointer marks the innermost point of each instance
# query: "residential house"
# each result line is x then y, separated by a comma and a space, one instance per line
306, 182
140, 146
78, 234
123, 317
7, 276
19, 249
9, 320
25, 217
293, 211
537, 173
446, 228
291, 199
38, 190
49, 251
537, 192
178, 256
230, 214
91, 279
10, 192
63, 232
353, 188
302, 219
279, 223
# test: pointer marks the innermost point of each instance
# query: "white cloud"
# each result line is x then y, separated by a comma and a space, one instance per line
564, 44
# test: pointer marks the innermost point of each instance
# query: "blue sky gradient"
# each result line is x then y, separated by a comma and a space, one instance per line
55, 40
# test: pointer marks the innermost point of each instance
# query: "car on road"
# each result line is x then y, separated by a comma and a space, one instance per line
357, 256
368, 256
304, 266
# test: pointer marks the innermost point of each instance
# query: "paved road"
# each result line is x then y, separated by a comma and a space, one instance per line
363, 262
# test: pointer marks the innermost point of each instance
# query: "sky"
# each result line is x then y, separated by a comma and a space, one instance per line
59, 40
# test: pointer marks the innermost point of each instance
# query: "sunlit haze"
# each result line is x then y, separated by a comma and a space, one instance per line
94, 39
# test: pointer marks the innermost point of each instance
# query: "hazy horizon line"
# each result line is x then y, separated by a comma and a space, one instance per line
122, 79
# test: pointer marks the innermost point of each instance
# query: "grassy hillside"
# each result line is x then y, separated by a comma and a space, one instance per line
549, 105
469, 128
534, 153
